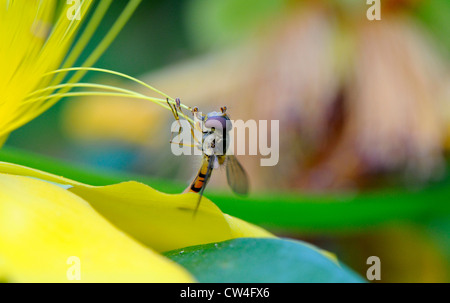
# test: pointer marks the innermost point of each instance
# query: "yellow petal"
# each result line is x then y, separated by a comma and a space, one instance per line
46, 230
32, 45
240, 228
161, 221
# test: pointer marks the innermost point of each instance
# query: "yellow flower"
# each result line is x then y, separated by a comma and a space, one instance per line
33, 46
30, 47
42, 225
53, 229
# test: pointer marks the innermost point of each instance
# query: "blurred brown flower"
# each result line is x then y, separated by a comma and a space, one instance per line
355, 98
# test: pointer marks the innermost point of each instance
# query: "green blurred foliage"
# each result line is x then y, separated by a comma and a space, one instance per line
216, 24
435, 15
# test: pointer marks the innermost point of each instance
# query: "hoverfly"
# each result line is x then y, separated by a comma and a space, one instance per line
214, 128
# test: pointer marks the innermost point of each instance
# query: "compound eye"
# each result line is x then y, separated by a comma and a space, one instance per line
216, 122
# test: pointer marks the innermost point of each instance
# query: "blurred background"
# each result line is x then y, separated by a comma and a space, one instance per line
364, 111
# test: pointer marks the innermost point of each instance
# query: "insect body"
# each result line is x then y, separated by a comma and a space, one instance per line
214, 127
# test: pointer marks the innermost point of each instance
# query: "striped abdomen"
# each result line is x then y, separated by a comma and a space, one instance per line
200, 180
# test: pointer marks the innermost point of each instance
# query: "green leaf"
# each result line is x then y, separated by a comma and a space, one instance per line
261, 260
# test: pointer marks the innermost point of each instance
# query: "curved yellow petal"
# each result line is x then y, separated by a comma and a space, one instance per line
48, 234
161, 221
20, 170
240, 228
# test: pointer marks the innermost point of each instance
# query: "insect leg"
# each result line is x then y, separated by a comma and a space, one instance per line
173, 108
178, 106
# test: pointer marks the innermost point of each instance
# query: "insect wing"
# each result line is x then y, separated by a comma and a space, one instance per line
236, 176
